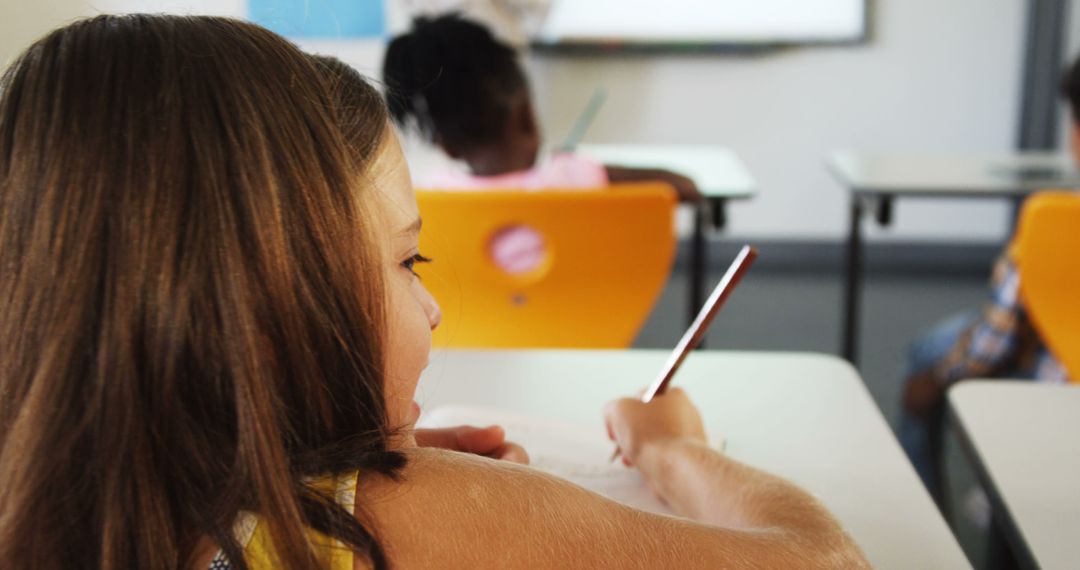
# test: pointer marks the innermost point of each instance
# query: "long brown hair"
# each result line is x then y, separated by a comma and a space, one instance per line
191, 303
355, 102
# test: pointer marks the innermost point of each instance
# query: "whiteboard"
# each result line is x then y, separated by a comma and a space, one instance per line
702, 21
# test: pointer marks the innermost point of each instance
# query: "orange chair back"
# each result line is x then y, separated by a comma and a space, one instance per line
607, 256
1047, 250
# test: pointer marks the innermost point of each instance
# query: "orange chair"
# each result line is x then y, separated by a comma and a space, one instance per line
1047, 250
607, 256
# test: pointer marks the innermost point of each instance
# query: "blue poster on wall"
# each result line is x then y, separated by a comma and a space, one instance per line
320, 18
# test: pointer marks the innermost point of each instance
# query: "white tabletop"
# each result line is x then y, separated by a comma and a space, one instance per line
953, 174
1026, 436
716, 170
806, 417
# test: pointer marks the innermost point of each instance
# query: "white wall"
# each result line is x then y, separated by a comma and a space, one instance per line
936, 76
22, 22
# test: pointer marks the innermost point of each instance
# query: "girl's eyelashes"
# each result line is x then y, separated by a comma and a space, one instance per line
412, 260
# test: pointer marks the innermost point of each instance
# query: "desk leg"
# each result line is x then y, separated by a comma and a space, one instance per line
697, 265
719, 213
999, 553
853, 282
884, 210
714, 210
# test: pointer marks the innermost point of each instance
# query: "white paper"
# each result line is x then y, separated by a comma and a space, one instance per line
579, 453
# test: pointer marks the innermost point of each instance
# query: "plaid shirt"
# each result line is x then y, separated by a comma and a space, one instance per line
1002, 342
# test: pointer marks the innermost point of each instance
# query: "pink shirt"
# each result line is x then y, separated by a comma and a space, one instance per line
520, 249
564, 170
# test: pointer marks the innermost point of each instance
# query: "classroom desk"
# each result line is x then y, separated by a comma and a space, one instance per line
877, 179
719, 175
806, 417
1024, 440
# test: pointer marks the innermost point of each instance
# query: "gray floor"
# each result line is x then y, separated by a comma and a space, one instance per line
800, 310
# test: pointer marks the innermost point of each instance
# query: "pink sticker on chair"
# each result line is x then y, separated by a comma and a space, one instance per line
517, 249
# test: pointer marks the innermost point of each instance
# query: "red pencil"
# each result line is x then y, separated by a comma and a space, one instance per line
693, 335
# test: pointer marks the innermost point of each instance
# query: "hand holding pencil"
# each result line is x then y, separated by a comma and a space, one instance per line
635, 425
694, 335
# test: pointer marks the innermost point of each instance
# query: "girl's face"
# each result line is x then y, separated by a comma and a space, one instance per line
412, 313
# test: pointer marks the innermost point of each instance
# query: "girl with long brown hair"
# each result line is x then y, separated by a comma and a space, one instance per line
210, 336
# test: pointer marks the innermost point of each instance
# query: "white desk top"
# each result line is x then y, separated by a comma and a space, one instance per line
953, 175
803, 416
716, 170
1027, 438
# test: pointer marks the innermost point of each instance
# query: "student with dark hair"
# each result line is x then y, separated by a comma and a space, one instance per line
465, 91
211, 336
999, 341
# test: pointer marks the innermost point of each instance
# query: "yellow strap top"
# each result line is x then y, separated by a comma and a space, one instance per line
258, 544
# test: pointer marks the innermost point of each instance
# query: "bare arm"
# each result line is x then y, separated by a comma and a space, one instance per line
685, 188
462, 511
453, 510
696, 482
665, 440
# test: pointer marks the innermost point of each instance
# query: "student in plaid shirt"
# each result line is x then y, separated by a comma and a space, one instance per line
1000, 341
